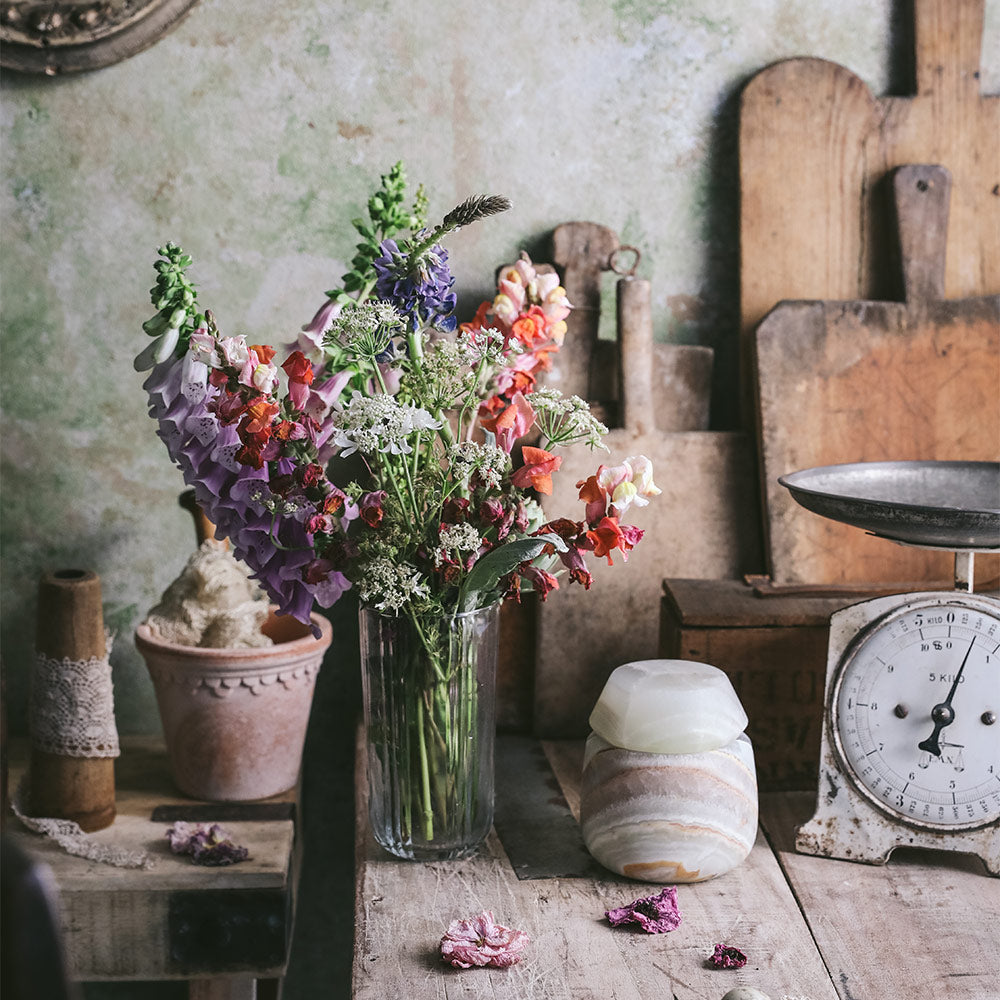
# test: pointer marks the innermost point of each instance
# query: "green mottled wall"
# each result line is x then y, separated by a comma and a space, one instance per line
252, 134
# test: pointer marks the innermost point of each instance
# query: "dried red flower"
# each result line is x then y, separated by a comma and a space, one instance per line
654, 914
727, 957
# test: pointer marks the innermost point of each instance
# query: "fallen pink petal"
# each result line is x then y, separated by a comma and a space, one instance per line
207, 845
654, 914
727, 957
481, 941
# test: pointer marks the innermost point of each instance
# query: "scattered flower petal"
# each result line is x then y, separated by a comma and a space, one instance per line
654, 914
480, 941
207, 845
727, 957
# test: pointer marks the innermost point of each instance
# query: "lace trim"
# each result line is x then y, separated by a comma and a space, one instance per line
72, 710
73, 840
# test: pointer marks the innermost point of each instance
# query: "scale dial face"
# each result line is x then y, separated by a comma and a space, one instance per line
915, 713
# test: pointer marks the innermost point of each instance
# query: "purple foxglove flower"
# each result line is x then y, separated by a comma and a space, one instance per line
195, 378
654, 914
322, 321
329, 591
325, 394
480, 941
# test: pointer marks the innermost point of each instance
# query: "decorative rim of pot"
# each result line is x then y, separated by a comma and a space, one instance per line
301, 645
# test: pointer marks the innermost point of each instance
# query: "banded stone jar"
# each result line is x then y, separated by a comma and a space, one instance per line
669, 790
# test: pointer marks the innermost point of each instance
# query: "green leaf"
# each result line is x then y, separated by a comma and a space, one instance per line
486, 575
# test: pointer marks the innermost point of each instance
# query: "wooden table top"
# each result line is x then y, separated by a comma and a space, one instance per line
927, 925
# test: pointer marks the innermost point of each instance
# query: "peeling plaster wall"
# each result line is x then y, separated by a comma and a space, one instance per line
253, 133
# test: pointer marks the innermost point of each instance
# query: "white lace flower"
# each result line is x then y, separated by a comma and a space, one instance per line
488, 460
365, 328
388, 586
379, 423
567, 419
457, 538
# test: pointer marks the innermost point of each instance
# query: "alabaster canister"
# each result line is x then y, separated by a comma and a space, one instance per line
674, 797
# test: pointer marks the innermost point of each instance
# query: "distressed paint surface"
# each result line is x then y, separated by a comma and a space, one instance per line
252, 134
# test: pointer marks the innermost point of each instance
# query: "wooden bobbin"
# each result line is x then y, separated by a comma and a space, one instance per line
71, 626
635, 342
203, 527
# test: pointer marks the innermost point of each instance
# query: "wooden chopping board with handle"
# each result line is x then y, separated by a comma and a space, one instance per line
861, 380
815, 147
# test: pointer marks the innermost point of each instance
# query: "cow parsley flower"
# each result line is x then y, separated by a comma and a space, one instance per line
389, 586
365, 329
487, 461
379, 424
457, 538
565, 420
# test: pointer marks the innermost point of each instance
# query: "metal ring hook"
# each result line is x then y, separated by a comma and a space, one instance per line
614, 265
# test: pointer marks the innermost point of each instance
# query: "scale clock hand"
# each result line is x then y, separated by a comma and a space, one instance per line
943, 714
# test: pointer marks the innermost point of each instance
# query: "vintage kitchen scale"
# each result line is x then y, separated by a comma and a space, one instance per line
910, 751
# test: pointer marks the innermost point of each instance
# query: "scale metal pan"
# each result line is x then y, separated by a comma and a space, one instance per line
950, 505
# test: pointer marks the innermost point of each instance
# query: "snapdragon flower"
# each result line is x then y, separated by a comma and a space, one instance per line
629, 483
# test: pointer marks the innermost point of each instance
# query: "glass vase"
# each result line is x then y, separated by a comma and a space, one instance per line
429, 690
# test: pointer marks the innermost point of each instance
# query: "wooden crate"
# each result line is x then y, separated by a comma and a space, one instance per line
773, 648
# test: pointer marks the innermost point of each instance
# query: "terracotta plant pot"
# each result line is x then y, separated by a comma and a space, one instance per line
234, 720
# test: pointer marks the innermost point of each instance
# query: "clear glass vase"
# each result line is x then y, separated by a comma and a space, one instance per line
429, 689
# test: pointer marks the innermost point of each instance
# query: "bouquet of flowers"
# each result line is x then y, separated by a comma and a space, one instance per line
393, 449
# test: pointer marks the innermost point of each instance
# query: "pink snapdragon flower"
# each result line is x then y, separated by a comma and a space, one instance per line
259, 373
511, 423
235, 351
629, 483
726, 956
536, 473
480, 941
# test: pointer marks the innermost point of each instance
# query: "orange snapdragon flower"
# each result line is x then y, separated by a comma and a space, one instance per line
529, 327
537, 469
606, 537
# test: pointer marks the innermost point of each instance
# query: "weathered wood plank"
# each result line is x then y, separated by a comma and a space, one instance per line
701, 526
402, 909
925, 925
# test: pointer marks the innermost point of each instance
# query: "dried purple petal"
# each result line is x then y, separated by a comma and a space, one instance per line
654, 914
207, 845
727, 957
481, 941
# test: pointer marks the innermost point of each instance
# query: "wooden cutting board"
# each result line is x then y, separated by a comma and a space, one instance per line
816, 213
861, 380
815, 146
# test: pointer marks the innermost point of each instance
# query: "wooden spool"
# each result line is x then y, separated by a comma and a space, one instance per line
203, 527
71, 626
